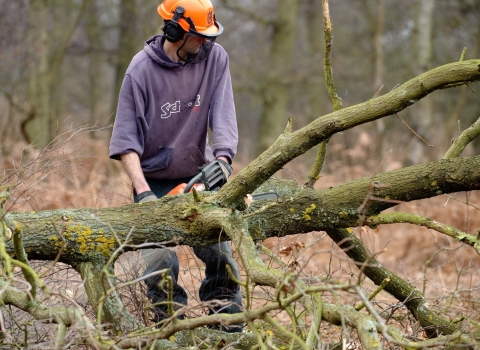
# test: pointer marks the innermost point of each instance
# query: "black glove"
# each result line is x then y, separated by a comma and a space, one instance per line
215, 174
147, 196
226, 168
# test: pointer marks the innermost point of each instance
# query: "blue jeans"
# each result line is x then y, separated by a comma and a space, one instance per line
217, 284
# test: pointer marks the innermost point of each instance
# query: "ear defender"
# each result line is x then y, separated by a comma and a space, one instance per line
173, 31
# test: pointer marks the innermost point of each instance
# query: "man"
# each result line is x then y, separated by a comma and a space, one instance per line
173, 90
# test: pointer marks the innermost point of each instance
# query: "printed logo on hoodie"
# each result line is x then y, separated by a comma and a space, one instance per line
170, 108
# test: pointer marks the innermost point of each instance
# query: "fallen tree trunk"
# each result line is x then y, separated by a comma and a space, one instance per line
82, 235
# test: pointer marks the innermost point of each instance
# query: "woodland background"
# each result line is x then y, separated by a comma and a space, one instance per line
62, 62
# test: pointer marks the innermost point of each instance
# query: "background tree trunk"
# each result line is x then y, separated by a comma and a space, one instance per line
378, 73
280, 60
128, 46
94, 68
37, 128
423, 117
47, 54
315, 82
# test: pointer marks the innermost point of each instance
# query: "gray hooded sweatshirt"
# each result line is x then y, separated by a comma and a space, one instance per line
165, 108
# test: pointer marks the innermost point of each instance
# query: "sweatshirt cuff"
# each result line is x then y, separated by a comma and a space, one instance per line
224, 153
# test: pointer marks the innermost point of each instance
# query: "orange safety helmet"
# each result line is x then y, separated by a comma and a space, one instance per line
197, 16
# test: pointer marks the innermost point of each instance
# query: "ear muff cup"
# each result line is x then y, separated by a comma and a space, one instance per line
173, 32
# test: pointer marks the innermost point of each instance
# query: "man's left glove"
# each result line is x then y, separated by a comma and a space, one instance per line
147, 196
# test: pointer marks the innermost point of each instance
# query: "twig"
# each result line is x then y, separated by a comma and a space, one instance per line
403, 121
460, 201
462, 56
285, 332
21, 255
374, 294
312, 337
332, 93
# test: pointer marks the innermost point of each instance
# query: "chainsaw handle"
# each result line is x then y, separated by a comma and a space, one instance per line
192, 182
214, 175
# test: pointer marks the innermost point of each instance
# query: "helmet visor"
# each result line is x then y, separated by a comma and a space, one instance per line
211, 32
191, 53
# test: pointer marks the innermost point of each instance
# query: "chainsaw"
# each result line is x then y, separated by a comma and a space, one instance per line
211, 178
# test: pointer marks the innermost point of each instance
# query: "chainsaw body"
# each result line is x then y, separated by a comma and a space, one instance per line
201, 187
181, 188
211, 177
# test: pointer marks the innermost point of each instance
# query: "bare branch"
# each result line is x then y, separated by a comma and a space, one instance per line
459, 143
394, 218
298, 142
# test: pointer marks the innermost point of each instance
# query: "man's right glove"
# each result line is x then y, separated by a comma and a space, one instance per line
147, 196
226, 168
215, 174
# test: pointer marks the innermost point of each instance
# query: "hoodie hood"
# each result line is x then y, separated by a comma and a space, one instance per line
154, 49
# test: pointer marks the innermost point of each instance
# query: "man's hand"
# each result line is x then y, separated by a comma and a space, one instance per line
225, 159
215, 174
147, 196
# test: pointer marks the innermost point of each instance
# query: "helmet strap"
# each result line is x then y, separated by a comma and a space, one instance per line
181, 47
191, 24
